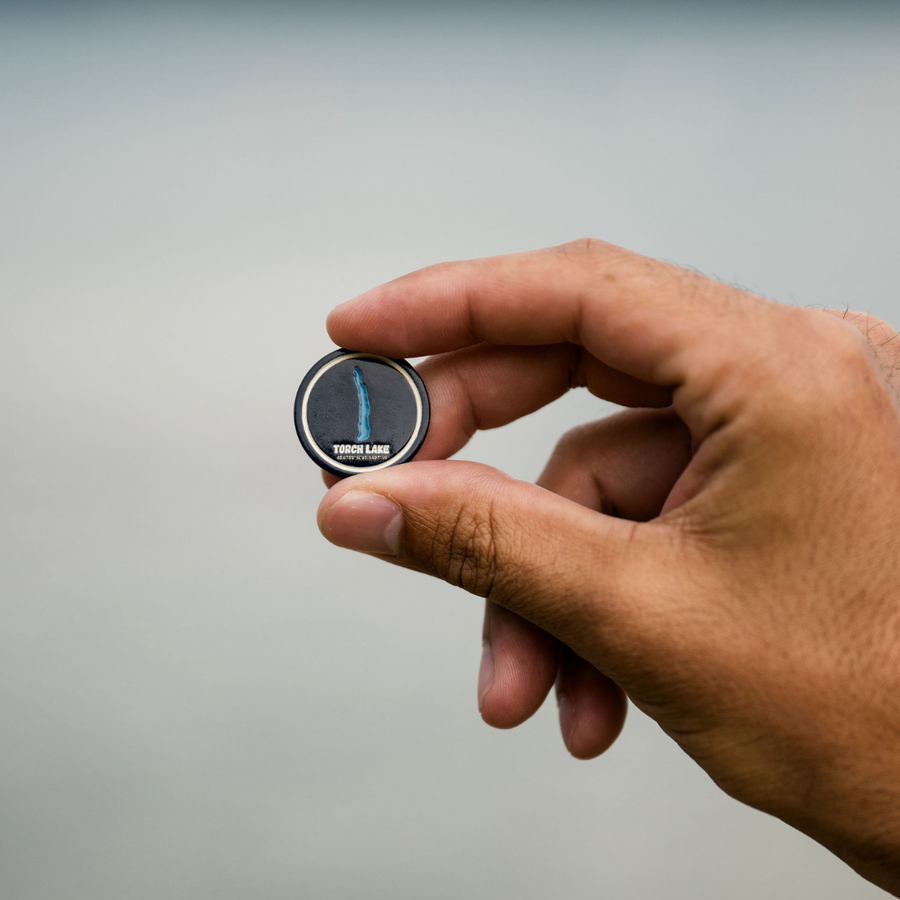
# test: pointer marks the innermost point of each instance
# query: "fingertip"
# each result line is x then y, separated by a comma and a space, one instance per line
330, 480
592, 708
346, 324
337, 316
485, 675
568, 723
517, 669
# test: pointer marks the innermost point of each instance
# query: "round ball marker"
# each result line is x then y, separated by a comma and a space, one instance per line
358, 412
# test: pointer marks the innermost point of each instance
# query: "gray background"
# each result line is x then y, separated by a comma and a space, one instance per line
199, 697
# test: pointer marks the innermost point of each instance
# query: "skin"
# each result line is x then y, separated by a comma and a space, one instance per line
725, 553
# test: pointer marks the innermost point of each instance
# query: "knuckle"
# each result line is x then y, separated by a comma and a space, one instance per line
847, 346
859, 358
824, 343
881, 337
464, 550
584, 247
849, 375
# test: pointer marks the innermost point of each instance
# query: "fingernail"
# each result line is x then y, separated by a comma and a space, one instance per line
366, 522
485, 673
566, 717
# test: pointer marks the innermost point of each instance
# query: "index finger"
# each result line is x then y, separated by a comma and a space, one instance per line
638, 315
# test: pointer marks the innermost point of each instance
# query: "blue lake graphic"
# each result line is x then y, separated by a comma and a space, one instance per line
362, 394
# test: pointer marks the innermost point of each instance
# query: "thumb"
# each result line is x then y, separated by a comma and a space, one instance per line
574, 572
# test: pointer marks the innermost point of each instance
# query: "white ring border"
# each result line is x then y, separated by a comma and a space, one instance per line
359, 470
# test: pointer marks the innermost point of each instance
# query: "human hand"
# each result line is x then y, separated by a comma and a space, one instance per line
725, 554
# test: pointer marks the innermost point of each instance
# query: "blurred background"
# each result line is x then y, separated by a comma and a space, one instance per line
200, 697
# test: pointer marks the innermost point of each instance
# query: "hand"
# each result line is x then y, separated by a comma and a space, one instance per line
727, 553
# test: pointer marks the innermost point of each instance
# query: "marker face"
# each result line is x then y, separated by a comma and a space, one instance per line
358, 412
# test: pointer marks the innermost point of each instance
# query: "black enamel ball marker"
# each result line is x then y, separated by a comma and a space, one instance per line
358, 412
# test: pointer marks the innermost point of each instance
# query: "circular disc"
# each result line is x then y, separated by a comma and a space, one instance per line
359, 412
